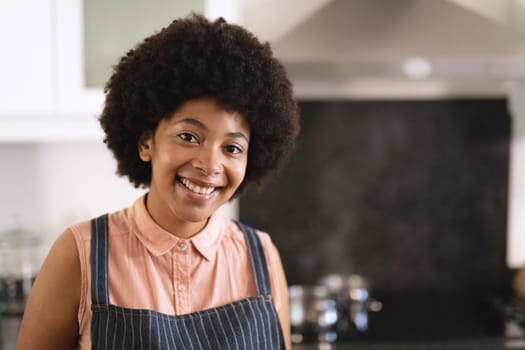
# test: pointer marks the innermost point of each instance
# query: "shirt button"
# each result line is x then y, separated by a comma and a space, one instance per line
181, 287
183, 245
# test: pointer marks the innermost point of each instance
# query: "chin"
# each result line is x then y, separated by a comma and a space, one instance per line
197, 217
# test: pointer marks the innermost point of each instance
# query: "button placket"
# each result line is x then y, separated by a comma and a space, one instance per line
182, 262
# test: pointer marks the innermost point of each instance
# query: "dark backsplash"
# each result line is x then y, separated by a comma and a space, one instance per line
411, 194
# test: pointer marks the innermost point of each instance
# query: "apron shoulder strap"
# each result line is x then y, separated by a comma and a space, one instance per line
258, 260
99, 260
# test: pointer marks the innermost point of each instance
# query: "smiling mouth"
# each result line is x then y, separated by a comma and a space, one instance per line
196, 188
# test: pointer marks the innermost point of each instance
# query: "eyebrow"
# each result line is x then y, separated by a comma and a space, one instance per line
193, 122
238, 135
203, 126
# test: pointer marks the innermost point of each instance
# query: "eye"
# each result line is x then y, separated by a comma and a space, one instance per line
233, 149
186, 136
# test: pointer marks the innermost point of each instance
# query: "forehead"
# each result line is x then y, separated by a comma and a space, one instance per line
207, 113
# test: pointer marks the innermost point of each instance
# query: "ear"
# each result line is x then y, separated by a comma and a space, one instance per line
145, 146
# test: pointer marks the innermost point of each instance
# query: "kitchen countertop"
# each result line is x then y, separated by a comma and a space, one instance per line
474, 344
514, 339
435, 323
508, 343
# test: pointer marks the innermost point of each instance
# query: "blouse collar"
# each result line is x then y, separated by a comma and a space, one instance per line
159, 241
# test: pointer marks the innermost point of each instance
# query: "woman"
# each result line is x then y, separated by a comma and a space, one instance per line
195, 113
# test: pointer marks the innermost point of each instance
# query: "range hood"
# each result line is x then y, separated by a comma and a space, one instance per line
461, 39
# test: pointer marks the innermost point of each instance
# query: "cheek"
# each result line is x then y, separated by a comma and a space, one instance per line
170, 157
164, 165
239, 172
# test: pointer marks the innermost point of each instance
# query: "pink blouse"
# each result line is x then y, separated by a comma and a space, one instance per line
149, 268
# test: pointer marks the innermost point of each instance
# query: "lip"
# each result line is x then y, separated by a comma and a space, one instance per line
194, 195
200, 182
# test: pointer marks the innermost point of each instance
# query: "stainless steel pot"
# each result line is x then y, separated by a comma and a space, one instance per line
354, 301
313, 313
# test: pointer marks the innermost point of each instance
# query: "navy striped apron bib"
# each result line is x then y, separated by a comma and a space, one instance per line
250, 323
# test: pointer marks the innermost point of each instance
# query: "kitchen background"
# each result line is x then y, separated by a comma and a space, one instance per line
423, 147
410, 168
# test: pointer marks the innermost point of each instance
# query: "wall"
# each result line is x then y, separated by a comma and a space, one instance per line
47, 186
516, 219
412, 194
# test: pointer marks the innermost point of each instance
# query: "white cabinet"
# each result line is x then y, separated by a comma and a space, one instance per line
44, 95
42, 60
26, 60
74, 99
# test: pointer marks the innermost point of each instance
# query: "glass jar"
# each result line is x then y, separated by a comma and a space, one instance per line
20, 259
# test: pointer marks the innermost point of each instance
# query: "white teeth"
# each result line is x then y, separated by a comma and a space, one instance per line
197, 189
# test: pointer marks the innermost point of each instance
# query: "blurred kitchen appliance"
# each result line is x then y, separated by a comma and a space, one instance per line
313, 313
354, 302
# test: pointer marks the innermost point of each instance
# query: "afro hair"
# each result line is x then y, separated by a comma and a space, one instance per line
193, 58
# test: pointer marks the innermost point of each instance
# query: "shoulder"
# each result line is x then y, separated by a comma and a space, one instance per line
118, 222
234, 232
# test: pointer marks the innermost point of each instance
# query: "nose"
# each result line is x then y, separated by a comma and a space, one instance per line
208, 161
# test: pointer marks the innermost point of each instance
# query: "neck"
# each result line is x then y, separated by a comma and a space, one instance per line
174, 225
186, 230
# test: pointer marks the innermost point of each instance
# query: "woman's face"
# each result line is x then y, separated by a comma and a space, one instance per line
198, 158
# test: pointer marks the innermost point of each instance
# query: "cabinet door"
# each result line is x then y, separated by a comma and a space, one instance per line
74, 99
91, 37
26, 60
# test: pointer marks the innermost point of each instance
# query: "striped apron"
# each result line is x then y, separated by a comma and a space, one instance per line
250, 323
